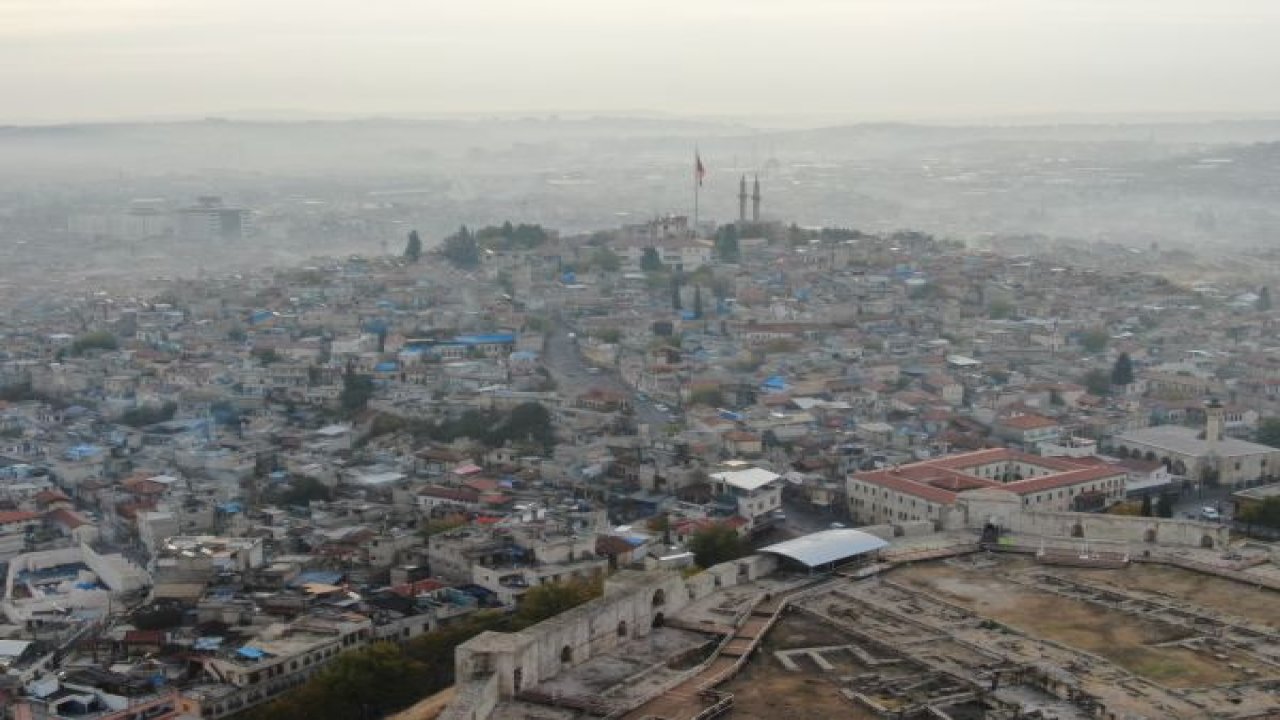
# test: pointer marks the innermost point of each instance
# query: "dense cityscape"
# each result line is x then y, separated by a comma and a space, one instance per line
664, 360
292, 492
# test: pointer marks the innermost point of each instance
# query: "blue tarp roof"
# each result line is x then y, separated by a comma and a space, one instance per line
491, 338
252, 653
322, 577
385, 367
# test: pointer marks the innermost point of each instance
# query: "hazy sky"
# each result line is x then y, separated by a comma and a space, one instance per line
864, 59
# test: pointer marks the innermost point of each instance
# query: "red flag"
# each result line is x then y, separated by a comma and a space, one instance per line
699, 171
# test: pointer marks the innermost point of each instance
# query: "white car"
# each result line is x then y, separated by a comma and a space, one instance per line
1210, 514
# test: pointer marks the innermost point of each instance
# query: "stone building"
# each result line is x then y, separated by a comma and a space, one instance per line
1206, 455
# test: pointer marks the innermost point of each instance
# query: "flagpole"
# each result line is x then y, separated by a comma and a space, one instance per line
697, 183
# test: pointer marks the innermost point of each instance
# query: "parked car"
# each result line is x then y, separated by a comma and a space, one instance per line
1210, 514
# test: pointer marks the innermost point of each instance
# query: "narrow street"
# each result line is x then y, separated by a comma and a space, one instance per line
563, 359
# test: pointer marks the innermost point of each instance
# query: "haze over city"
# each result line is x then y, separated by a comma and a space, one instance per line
902, 60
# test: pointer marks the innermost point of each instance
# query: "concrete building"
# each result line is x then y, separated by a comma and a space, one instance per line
1202, 455
925, 491
753, 492
209, 221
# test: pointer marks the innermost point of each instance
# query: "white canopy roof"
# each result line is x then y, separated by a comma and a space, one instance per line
751, 479
827, 546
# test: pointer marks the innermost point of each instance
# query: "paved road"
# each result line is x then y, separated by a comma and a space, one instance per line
1191, 502
567, 366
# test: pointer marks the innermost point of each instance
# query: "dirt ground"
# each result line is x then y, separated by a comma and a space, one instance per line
765, 690
1122, 638
1258, 605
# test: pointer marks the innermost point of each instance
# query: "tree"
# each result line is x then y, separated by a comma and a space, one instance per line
1146, 505
545, 601
606, 260
1264, 299
999, 310
675, 294
366, 683
357, 389
650, 262
1269, 432
413, 249
1122, 371
1094, 341
1265, 513
1164, 508
1097, 382
96, 340
609, 335
697, 301
726, 244
461, 249
266, 356
528, 422
711, 397
716, 544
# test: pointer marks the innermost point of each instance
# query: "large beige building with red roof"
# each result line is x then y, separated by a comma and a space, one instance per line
925, 491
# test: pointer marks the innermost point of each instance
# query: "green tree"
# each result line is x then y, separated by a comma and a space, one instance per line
716, 544
1265, 513
266, 356
999, 310
606, 260
1097, 382
96, 340
1147, 510
357, 390
1269, 432
1164, 508
1094, 341
711, 397
1264, 299
366, 683
461, 249
551, 599
650, 262
528, 422
726, 244
610, 335
675, 293
697, 301
1122, 370
413, 249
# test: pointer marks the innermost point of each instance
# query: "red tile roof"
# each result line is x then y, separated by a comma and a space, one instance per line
941, 479
66, 518
16, 516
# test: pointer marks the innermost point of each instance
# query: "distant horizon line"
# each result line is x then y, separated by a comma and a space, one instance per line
791, 121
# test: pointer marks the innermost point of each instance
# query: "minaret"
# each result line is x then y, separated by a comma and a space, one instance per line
755, 201
742, 200
1213, 423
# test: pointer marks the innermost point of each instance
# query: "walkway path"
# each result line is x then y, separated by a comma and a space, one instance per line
695, 697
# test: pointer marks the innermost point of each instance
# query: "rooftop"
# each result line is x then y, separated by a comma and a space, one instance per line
750, 479
1188, 441
827, 546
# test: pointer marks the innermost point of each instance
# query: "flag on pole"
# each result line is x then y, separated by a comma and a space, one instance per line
699, 170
